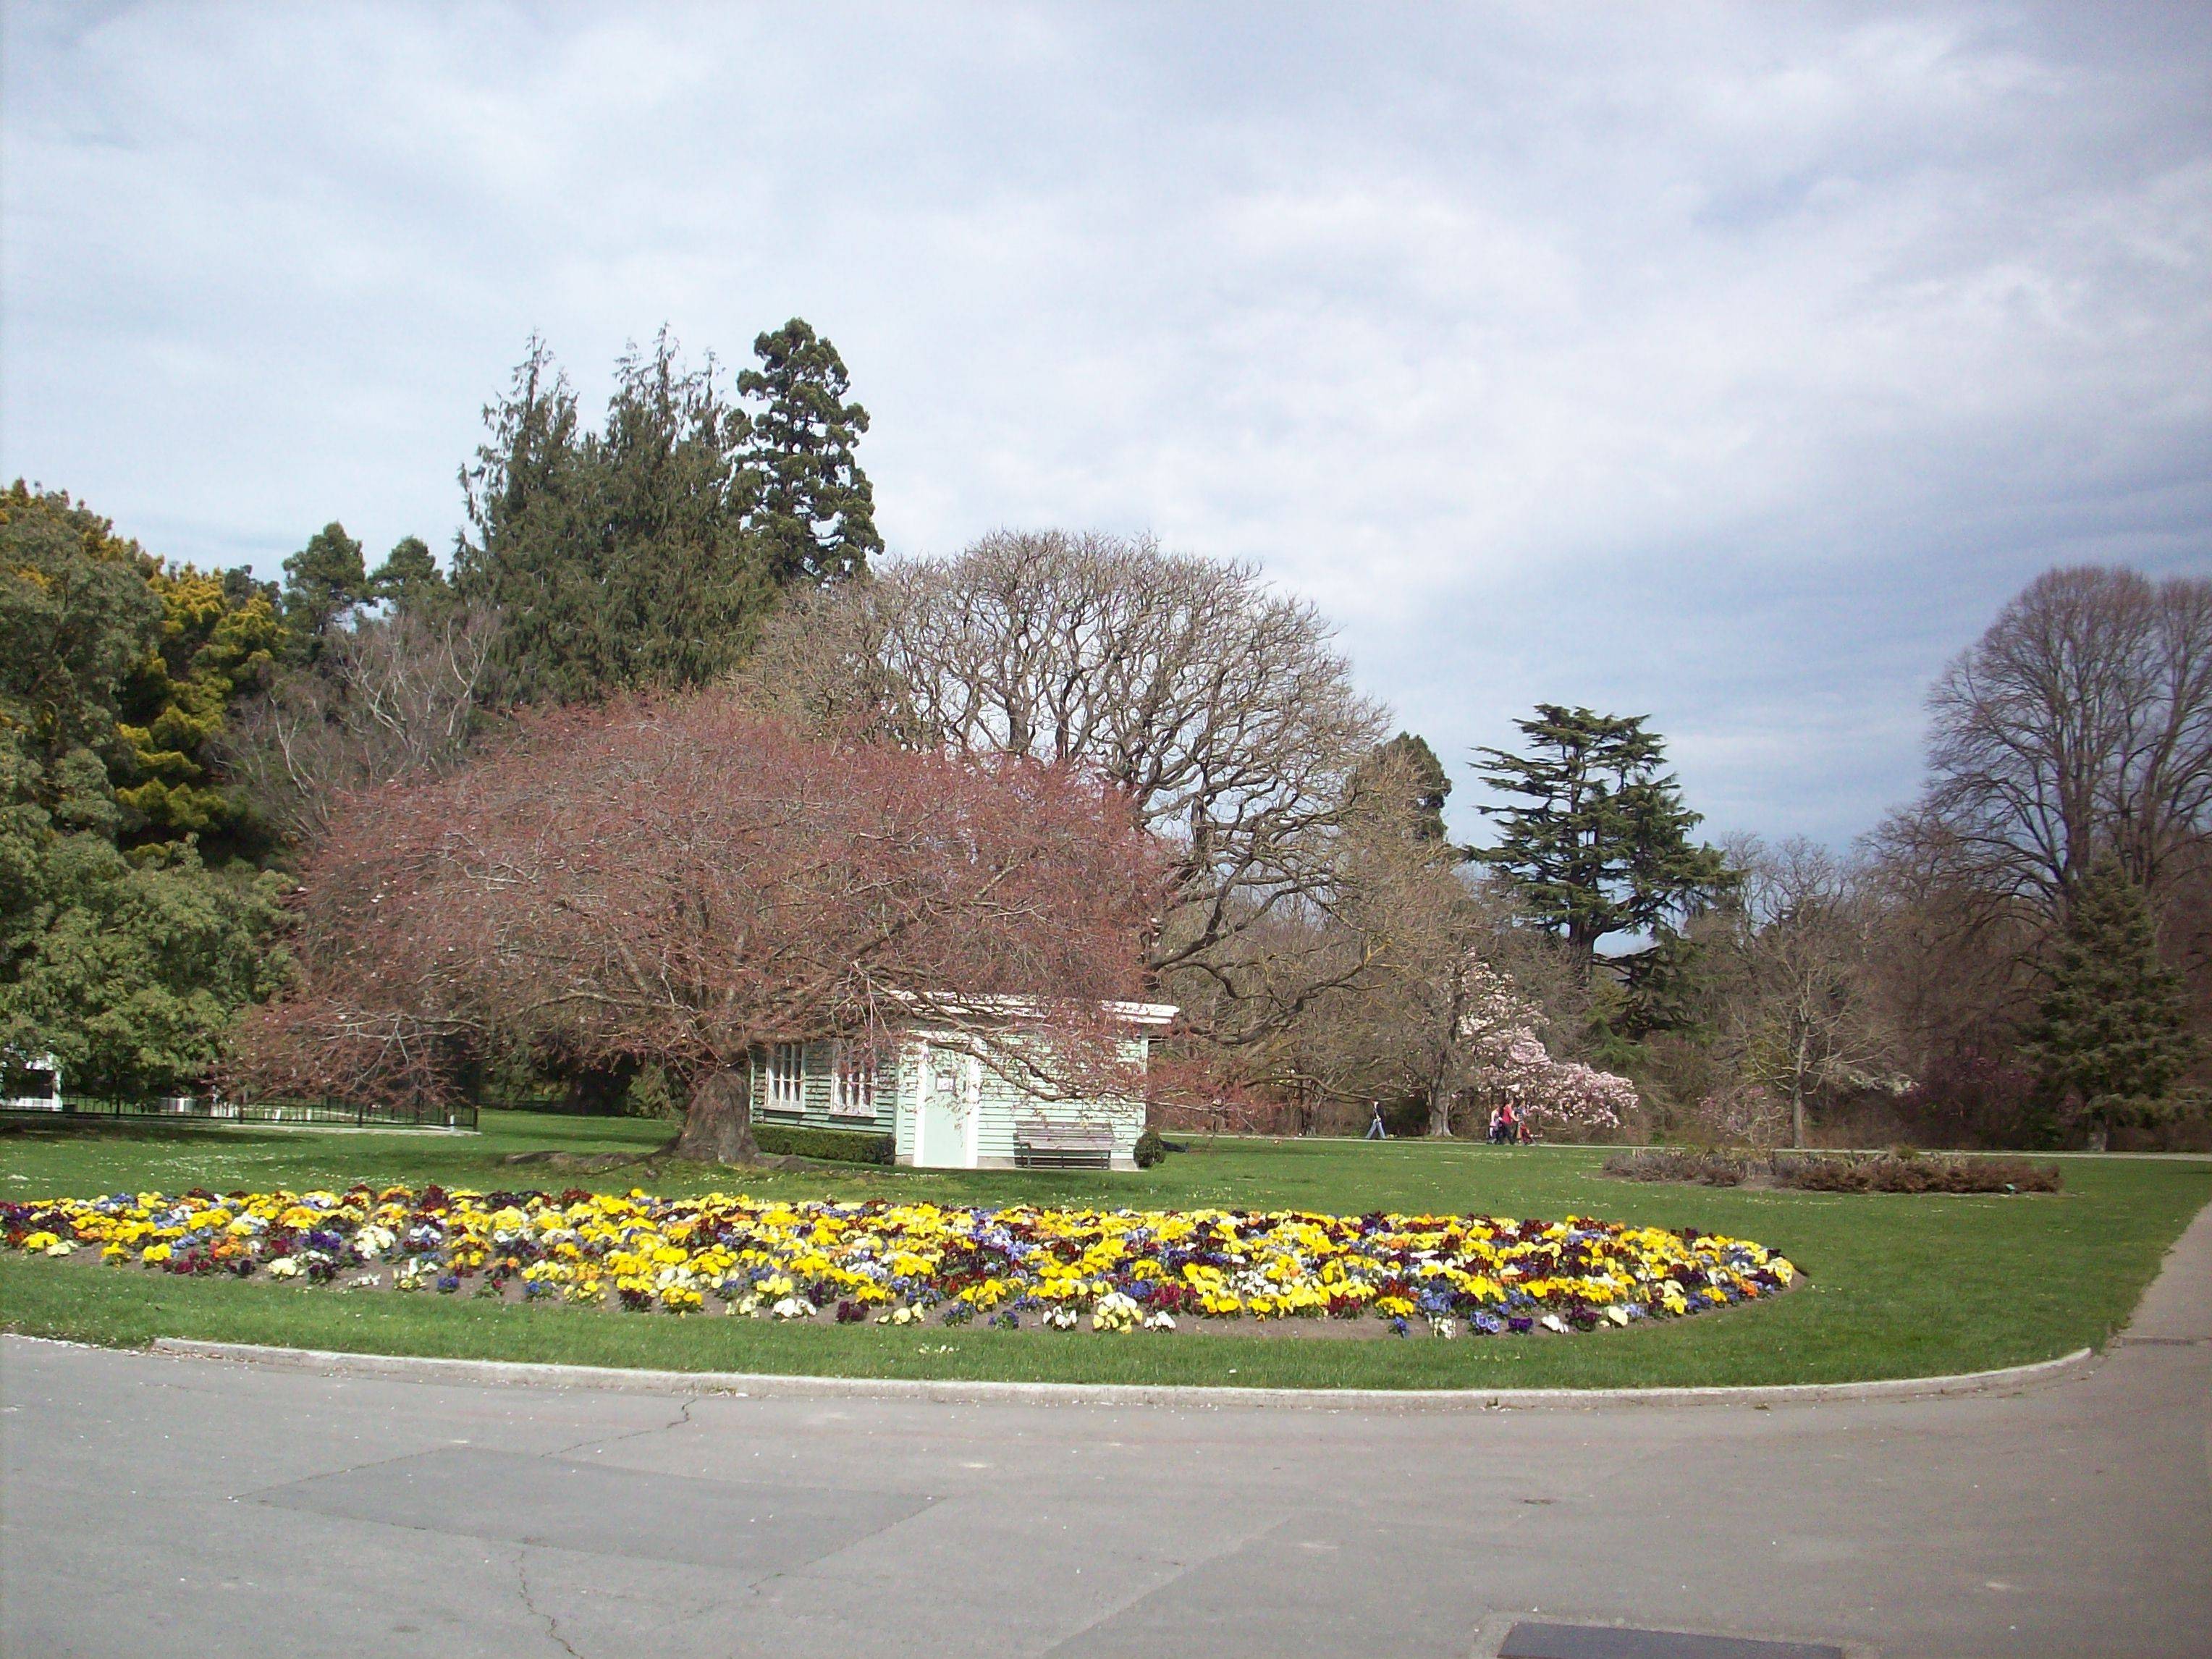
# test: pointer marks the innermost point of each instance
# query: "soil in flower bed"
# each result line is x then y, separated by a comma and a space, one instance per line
1019, 1267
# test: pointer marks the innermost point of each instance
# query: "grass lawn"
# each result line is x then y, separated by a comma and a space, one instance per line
1897, 1286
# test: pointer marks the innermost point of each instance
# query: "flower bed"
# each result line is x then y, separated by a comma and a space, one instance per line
1116, 1270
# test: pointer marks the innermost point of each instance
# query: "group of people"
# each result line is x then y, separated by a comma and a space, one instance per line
1507, 1127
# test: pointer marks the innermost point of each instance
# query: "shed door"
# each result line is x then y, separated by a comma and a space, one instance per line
951, 1089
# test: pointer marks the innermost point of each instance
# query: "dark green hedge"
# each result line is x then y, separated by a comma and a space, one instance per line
838, 1146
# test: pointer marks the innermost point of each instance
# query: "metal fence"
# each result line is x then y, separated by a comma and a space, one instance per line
202, 1109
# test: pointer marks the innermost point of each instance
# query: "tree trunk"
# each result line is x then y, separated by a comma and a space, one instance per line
718, 1126
1797, 1096
1581, 949
1440, 1104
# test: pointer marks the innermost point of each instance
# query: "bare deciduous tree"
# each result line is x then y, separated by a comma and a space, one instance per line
394, 698
2080, 723
1951, 966
1218, 706
1799, 1012
1396, 952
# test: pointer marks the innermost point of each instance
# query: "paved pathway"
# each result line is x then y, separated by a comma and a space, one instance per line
165, 1505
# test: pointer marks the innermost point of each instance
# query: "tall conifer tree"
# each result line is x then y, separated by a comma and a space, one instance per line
2112, 1034
815, 515
1598, 841
618, 559
409, 579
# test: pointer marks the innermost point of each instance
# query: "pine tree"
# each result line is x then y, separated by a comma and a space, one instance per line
816, 512
1600, 844
323, 583
2113, 1033
409, 579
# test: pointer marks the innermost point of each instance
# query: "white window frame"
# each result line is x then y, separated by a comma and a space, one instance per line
784, 1086
853, 1080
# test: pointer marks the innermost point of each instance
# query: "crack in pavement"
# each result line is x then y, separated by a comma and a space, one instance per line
682, 1419
522, 1582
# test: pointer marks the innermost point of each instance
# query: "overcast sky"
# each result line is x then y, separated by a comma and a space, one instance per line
1729, 365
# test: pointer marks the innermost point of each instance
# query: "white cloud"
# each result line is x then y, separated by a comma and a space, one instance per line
1726, 363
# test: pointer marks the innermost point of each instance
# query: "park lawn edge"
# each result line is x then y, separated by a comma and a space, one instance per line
767, 1384
128, 1308
2060, 1273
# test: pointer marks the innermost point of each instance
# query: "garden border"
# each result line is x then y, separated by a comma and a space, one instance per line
774, 1385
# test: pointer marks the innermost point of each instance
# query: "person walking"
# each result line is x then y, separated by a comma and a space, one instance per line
1374, 1129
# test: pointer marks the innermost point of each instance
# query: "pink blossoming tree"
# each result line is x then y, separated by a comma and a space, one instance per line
1507, 1059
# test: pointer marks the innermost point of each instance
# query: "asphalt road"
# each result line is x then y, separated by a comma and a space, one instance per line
168, 1505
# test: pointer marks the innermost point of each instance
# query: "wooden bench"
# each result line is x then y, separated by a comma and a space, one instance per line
1040, 1144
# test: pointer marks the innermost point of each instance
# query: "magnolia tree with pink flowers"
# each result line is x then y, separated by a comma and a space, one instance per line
1507, 1059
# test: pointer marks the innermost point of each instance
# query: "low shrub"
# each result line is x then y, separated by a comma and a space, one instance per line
834, 1145
1910, 1172
1899, 1172
1692, 1164
1150, 1149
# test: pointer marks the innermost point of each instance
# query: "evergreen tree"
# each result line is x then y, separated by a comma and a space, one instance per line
409, 579
121, 953
2113, 1033
683, 563
75, 614
816, 513
535, 555
1407, 772
130, 970
218, 644
618, 559
325, 582
118, 668
241, 589
1599, 842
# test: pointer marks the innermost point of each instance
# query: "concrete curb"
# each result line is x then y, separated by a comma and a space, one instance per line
767, 1385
